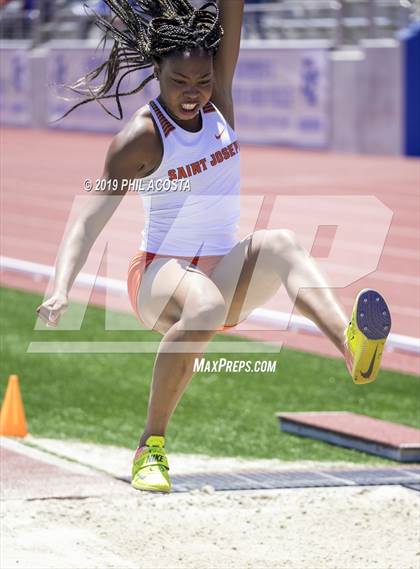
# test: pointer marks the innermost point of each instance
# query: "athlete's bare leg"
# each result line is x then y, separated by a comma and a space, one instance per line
268, 259
186, 307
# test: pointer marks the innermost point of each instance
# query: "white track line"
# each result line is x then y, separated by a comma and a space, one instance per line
280, 320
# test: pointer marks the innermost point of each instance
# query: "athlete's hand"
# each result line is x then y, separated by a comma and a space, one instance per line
51, 310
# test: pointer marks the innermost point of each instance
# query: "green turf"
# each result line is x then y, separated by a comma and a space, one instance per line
102, 398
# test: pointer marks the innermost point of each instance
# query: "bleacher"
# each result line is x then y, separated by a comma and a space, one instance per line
342, 22
44, 20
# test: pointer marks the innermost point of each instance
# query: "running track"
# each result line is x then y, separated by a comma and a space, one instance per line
43, 171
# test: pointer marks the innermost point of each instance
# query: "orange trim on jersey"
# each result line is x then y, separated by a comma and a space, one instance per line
209, 108
167, 127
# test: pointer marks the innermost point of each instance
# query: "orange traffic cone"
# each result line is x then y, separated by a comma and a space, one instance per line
12, 416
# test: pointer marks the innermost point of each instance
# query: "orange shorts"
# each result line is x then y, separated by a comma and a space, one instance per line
142, 260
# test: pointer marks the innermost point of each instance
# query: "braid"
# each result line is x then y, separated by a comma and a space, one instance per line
151, 29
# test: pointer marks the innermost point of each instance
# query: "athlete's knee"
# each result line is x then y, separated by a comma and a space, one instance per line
206, 315
281, 242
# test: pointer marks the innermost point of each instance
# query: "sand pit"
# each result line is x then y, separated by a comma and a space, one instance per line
318, 528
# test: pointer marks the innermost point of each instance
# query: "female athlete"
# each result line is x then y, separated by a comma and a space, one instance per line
192, 277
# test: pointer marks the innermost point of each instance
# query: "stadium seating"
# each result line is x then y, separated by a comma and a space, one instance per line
340, 21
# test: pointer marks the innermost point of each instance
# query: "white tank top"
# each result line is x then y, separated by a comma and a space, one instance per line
191, 202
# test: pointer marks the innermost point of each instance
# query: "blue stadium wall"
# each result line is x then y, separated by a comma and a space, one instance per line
300, 94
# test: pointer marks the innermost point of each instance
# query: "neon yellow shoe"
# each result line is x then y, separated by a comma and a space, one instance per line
150, 467
366, 335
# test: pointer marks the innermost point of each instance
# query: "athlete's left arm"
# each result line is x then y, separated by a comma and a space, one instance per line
231, 13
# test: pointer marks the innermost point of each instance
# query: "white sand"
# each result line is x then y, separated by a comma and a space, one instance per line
337, 528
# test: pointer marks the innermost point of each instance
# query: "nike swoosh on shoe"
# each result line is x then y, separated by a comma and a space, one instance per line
368, 372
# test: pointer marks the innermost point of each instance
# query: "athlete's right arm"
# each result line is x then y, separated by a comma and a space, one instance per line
132, 154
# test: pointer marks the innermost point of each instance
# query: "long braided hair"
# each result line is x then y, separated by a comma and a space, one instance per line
147, 30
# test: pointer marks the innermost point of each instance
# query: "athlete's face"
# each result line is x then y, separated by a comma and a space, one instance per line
186, 83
